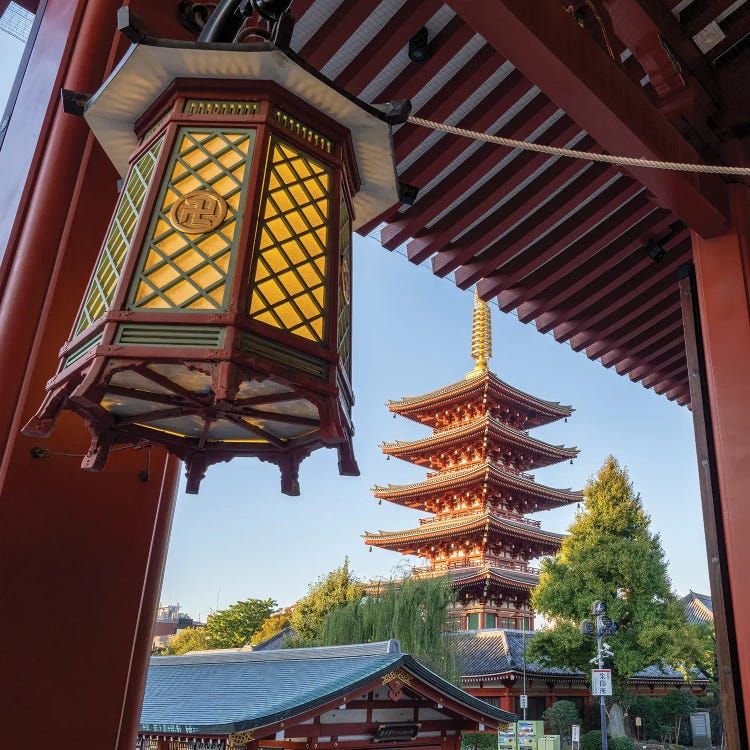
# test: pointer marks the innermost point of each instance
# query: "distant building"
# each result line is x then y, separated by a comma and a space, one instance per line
698, 608
169, 622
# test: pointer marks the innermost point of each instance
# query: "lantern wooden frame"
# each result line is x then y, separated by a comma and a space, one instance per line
245, 350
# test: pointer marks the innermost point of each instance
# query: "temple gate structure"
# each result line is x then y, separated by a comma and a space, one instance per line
479, 489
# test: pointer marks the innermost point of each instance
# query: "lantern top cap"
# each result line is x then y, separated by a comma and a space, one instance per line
145, 71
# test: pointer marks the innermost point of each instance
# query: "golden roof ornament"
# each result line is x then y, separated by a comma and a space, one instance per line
481, 337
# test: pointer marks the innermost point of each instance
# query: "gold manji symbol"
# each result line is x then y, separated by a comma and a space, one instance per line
199, 212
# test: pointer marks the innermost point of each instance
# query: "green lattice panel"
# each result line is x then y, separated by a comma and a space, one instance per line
181, 271
112, 257
290, 278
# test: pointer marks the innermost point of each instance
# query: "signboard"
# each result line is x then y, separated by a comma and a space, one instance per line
524, 701
601, 682
575, 735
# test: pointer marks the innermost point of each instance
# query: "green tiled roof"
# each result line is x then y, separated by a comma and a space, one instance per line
223, 693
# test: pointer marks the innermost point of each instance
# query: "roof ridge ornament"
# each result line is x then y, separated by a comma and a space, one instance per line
481, 337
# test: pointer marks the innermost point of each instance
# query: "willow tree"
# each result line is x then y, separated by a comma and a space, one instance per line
416, 611
611, 554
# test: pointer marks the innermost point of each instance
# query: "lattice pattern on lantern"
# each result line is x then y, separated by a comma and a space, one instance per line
289, 285
213, 107
109, 266
345, 288
190, 271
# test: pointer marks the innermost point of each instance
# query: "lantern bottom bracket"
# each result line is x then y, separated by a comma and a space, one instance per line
85, 393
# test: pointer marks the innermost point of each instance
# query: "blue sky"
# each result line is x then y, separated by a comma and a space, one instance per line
240, 537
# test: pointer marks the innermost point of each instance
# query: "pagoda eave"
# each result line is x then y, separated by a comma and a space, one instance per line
485, 431
476, 528
423, 408
483, 475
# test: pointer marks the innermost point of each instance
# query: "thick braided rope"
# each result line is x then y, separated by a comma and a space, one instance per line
624, 161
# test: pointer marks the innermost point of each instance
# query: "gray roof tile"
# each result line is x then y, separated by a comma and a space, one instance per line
237, 690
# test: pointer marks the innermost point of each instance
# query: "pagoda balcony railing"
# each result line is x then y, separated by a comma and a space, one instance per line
445, 565
464, 512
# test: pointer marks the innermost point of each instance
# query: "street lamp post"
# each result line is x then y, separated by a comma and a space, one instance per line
599, 629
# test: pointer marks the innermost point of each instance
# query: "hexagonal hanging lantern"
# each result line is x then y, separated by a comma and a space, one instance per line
217, 321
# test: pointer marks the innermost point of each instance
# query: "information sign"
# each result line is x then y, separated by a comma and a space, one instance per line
575, 733
524, 701
601, 682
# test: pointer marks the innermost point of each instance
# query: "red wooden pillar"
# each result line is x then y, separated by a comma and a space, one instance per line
81, 555
507, 702
722, 267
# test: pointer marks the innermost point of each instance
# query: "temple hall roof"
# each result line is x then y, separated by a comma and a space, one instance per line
498, 651
479, 473
418, 451
698, 608
222, 693
423, 408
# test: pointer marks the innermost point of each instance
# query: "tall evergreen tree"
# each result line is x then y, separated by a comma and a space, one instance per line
611, 554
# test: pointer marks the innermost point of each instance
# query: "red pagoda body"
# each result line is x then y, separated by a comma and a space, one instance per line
479, 490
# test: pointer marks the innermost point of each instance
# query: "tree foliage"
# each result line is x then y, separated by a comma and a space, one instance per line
413, 610
272, 625
189, 639
340, 586
609, 551
560, 717
233, 627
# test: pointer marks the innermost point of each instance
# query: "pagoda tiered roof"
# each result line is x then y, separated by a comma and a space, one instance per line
480, 523
418, 494
424, 451
483, 576
425, 408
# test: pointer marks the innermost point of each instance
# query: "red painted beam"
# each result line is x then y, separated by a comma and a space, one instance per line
625, 279
644, 26
667, 352
381, 49
626, 332
652, 296
438, 237
469, 205
448, 42
580, 222
443, 103
670, 327
590, 178
665, 319
336, 31
546, 44
583, 260
448, 148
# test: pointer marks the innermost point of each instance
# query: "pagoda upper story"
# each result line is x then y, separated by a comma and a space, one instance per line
478, 488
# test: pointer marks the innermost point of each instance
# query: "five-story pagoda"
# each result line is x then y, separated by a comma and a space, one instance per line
479, 489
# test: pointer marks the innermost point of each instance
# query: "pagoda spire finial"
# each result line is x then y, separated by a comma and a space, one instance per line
481, 336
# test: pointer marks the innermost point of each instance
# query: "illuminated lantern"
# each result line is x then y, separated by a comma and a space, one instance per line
217, 322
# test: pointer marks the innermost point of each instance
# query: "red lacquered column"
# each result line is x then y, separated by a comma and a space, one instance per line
722, 266
81, 555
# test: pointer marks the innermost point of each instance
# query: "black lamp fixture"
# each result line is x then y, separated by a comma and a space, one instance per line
419, 46
655, 250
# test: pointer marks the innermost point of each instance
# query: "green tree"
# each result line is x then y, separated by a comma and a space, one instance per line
233, 627
413, 610
273, 624
340, 586
611, 554
189, 639
560, 717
